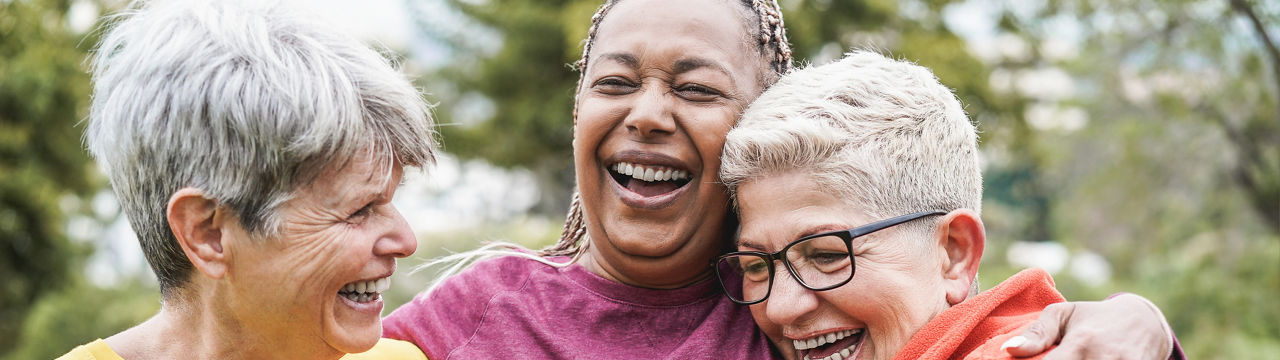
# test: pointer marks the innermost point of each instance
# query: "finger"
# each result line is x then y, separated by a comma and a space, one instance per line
1042, 333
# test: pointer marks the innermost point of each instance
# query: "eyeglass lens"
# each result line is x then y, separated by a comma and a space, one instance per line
820, 263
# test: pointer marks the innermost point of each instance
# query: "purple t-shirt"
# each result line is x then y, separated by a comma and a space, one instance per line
517, 308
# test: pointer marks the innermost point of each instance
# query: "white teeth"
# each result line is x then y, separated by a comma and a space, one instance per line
365, 290
824, 339
655, 173
844, 352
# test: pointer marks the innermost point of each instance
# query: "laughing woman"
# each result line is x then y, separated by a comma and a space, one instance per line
859, 188
662, 82
256, 155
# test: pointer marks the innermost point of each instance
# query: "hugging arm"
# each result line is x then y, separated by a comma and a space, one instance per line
1125, 326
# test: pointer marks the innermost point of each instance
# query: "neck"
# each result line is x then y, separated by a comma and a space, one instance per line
663, 273
203, 329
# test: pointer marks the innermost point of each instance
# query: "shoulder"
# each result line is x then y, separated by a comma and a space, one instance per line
390, 349
504, 273
444, 317
96, 350
477, 283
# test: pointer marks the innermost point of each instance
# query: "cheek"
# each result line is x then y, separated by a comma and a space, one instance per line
319, 258
707, 130
770, 329
593, 123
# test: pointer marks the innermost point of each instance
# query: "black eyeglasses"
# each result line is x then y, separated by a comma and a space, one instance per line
818, 262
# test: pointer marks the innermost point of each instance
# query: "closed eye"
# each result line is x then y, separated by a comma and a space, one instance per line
696, 92
614, 85
360, 214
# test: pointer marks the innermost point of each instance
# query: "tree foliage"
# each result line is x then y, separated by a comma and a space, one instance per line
43, 92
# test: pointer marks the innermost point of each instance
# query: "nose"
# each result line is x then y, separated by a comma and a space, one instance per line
399, 241
788, 301
651, 113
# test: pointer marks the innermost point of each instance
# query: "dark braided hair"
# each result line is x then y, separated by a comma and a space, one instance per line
770, 40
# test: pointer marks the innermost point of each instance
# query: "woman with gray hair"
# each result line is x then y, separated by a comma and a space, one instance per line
256, 154
859, 190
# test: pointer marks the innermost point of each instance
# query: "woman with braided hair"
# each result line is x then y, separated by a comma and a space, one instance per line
661, 84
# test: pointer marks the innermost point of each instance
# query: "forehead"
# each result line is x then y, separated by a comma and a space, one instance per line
359, 178
779, 208
714, 29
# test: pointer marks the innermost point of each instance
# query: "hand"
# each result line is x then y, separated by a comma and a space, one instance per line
1123, 327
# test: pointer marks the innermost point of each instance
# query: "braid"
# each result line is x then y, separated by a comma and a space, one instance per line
575, 224
773, 34
772, 38
575, 230
581, 65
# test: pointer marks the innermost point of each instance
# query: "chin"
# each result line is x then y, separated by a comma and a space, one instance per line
355, 340
353, 334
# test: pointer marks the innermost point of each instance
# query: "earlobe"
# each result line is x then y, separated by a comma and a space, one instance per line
963, 237
197, 223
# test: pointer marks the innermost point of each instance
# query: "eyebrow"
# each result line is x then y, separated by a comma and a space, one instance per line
690, 64
624, 58
749, 244
817, 229
681, 66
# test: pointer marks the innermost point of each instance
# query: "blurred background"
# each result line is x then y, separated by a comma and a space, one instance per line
1128, 145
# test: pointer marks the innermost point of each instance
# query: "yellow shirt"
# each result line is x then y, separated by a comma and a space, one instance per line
385, 349
390, 349
96, 350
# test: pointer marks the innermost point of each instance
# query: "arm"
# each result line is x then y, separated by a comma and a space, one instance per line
1125, 326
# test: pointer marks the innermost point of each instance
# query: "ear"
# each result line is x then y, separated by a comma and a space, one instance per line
197, 223
963, 237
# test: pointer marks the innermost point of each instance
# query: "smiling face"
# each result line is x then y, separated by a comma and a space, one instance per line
317, 285
896, 288
665, 82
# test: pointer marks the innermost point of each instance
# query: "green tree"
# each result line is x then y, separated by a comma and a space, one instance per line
1176, 176
43, 93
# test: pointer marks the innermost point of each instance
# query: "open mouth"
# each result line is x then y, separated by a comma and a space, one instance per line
365, 291
838, 345
649, 180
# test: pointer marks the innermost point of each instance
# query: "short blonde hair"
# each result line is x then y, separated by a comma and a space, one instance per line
882, 134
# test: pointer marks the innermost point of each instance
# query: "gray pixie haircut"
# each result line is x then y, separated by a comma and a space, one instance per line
248, 101
882, 134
